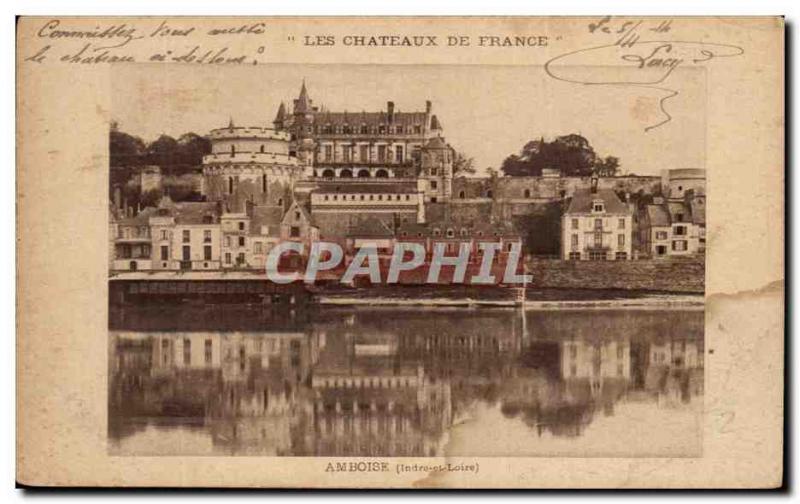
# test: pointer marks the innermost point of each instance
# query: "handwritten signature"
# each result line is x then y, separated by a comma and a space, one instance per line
637, 62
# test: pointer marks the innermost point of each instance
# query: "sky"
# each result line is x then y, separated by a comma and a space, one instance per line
488, 112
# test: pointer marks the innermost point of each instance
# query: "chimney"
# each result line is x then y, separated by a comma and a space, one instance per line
428, 106
390, 110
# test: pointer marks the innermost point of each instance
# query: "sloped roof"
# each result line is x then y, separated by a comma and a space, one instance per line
191, 212
140, 219
583, 199
366, 188
657, 215
266, 215
698, 207
436, 143
356, 119
370, 228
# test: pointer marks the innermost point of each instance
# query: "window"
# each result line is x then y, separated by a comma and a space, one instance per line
164, 234
597, 256
187, 236
622, 256
450, 233
661, 235
241, 226
679, 217
240, 258
264, 183
575, 256
164, 252
679, 245
619, 351
434, 184
597, 206
207, 253
294, 231
328, 152
621, 240
241, 241
364, 129
227, 258
621, 224
207, 236
230, 185
598, 239
363, 153
208, 351
187, 351
598, 223
398, 154
527, 193
574, 241
257, 248
381, 153
227, 241
297, 216
574, 223
680, 230
462, 195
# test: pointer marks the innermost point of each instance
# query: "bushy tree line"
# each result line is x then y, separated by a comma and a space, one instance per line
173, 156
572, 154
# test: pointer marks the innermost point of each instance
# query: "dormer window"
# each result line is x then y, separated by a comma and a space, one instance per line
450, 233
598, 206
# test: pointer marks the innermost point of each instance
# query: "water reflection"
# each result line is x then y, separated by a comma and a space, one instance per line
405, 382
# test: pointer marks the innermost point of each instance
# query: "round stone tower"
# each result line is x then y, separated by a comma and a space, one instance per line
249, 163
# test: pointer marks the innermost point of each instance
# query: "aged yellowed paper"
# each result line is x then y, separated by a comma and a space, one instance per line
410, 252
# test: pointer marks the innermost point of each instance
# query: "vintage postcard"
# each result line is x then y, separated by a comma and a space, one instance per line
400, 252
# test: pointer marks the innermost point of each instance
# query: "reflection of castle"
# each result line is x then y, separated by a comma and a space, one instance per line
393, 386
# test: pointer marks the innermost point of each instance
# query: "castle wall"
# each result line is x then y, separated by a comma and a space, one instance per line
545, 189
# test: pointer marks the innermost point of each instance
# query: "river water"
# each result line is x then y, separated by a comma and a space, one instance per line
367, 381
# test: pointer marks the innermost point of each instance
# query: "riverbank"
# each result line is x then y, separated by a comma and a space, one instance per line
462, 296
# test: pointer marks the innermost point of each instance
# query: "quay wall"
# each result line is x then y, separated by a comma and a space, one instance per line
678, 276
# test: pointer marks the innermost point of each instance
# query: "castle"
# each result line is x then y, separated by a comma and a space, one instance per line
323, 175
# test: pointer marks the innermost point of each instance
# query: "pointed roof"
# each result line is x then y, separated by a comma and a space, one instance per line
230, 123
281, 113
436, 143
302, 104
435, 125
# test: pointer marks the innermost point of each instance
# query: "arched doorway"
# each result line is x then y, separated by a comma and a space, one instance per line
363, 173
328, 173
382, 173
346, 174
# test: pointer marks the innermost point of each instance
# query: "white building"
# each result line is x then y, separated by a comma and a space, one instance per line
597, 226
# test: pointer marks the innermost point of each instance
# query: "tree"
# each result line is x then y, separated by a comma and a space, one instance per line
162, 152
572, 154
124, 149
606, 167
151, 198
463, 165
191, 149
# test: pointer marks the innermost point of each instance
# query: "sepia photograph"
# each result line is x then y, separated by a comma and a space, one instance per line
210, 175
400, 252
